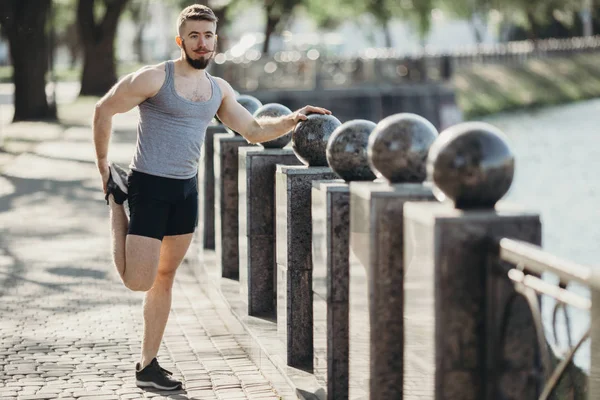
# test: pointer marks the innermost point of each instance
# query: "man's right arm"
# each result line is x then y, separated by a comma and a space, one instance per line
125, 95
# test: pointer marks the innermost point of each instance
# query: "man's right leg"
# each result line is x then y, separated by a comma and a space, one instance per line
135, 244
136, 257
118, 232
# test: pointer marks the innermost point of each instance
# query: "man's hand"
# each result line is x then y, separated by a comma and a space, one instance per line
300, 115
104, 172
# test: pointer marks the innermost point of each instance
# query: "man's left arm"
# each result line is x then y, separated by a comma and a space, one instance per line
238, 119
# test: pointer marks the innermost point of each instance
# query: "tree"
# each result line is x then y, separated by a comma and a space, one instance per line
475, 11
138, 10
24, 23
98, 38
277, 13
64, 22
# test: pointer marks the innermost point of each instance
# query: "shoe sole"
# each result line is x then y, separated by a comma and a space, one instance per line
117, 178
156, 385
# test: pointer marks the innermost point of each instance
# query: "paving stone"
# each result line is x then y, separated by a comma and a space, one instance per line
74, 331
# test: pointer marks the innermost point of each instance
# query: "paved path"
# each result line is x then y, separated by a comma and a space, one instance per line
68, 327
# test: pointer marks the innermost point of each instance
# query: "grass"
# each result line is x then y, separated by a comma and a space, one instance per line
488, 89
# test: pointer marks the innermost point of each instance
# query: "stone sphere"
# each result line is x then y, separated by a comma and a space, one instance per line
398, 148
347, 150
310, 137
471, 164
274, 110
250, 103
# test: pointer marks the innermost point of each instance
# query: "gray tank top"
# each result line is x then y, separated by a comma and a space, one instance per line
171, 130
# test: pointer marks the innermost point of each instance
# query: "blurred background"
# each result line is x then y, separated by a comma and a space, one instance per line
91, 43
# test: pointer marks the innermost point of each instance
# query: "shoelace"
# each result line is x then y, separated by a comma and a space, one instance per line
165, 371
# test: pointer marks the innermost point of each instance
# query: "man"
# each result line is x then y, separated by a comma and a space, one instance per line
177, 100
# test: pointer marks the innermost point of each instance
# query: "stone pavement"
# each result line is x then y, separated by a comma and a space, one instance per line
68, 327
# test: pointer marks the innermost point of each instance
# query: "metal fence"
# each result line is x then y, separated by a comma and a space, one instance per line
376, 67
526, 265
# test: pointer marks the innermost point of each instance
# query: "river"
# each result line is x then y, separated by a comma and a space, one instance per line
557, 152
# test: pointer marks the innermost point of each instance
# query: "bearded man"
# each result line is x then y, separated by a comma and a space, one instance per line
177, 99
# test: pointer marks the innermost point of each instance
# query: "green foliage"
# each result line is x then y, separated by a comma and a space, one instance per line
329, 14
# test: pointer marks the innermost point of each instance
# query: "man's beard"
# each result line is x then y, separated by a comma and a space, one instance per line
201, 63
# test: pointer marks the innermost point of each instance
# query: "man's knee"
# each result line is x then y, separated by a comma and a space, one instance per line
166, 276
138, 284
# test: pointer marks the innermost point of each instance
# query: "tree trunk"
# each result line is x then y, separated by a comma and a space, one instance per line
269, 29
221, 13
140, 16
23, 22
387, 34
99, 69
475, 25
71, 40
533, 26
138, 43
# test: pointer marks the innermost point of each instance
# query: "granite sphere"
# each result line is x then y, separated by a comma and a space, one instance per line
310, 137
347, 150
398, 148
274, 110
250, 103
472, 164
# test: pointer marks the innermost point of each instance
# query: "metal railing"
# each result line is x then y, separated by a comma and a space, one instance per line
528, 262
310, 70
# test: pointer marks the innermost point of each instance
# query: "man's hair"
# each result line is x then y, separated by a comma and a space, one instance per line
195, 12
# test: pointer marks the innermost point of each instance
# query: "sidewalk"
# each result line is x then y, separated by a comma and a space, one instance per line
68, 326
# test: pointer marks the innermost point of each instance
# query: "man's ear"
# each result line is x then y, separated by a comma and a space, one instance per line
178, 40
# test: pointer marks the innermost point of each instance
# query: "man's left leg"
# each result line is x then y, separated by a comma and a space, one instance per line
157, 303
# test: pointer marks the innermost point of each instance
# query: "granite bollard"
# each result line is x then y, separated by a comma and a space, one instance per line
376, 240
226, 198
347, 156
258, 268
469, 353
293, 237
207, 171
256, 184
226, 147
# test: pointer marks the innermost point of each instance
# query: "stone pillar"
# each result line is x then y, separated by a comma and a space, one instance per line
257, 226
346, 155
454, 343
330, 236
483, 332
376, 239
226, 147
207, 174
294, 260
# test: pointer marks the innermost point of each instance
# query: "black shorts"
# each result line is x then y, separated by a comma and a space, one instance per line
160, 206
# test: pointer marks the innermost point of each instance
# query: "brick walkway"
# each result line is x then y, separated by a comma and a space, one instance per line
68, 327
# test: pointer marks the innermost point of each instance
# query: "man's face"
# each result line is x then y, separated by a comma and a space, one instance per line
198, 41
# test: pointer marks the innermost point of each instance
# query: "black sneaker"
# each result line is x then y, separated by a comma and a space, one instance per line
117, 184
154, 376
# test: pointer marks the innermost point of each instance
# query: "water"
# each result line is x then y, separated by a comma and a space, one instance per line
557, 153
